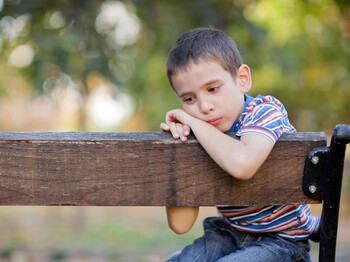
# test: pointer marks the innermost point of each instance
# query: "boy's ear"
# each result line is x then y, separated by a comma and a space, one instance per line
244, 79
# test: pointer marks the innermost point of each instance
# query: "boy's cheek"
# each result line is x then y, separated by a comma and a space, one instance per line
190, 112
186, 109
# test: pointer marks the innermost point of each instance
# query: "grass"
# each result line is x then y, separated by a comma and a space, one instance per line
136, 233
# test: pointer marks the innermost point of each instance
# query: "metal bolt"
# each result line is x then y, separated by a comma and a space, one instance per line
312, 189
315, 160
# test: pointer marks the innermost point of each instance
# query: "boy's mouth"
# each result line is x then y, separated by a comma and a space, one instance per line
214, 121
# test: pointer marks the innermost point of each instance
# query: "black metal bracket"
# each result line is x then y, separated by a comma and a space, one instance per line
315, 173
323, 175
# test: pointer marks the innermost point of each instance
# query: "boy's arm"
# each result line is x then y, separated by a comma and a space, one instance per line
240, 158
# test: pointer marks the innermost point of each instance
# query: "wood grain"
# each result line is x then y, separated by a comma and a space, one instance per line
142, 169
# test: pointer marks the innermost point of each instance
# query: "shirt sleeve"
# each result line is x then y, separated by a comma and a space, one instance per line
265, 119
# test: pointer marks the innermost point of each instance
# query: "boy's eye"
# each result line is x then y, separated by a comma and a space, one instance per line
188, 100
213, 89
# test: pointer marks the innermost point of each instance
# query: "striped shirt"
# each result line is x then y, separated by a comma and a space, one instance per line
266, 116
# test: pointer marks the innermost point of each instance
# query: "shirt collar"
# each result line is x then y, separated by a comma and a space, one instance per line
235, 127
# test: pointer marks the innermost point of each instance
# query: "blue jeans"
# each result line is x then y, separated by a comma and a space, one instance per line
222, 243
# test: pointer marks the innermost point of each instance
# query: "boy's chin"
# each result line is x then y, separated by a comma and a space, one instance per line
223, 129
226, 128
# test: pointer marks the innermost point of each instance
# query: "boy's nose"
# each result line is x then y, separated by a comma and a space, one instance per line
207, 107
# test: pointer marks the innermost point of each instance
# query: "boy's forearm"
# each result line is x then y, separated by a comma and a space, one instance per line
240, 158
181, 219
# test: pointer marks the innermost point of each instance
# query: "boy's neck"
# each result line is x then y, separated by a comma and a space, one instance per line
247, 100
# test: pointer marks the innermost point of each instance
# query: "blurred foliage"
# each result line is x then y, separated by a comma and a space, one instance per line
298, 50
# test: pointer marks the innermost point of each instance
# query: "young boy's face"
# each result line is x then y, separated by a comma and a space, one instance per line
210, 93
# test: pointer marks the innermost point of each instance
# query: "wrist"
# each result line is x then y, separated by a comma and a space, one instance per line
197, 124
193, 121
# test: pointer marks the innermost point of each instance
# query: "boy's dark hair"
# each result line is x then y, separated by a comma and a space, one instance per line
204, 44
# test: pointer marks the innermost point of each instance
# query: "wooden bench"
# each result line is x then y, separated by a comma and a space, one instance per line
152, 169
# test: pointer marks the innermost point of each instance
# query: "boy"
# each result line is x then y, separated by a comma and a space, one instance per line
206, 71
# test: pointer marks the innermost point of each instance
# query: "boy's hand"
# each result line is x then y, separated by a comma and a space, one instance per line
177, 122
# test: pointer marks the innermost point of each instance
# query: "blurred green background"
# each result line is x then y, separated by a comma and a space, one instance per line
88, 65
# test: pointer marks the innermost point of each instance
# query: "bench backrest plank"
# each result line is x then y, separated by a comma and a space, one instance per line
142, 169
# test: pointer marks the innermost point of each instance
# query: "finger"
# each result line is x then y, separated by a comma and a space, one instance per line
170, 117
173, 130
180, 129
187, 130
164, 127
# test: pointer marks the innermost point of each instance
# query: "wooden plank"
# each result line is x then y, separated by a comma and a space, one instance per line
142, 169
